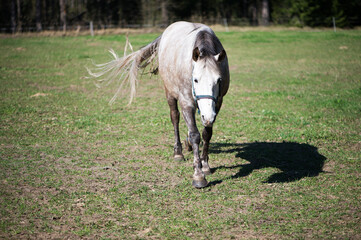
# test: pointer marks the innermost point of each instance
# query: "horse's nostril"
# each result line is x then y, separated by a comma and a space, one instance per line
202, 116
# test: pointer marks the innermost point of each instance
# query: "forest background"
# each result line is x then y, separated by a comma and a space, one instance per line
40, 15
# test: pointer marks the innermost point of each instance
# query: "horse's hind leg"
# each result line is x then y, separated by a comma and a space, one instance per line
188, 144
174, 115
206, 134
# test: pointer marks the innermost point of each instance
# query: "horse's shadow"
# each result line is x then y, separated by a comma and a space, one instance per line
295, 160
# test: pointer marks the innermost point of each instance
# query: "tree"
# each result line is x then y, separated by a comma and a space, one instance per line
63, 14
38, 15
13, 16
164, 7
265, 13
20, 24
253, 13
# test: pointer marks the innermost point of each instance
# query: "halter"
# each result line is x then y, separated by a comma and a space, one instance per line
198, 97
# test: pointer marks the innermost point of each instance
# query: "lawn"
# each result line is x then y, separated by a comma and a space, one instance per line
285, 152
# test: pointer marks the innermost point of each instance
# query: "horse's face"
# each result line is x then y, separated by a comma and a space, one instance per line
206, 79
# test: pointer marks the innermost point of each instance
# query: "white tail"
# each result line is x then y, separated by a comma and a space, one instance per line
125, 69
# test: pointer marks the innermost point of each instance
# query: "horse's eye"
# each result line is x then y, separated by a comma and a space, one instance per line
219, 80
196, 80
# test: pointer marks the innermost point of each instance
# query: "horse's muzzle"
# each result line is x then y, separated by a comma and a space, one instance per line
208, 122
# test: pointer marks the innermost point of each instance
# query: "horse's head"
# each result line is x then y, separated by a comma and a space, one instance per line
206, 82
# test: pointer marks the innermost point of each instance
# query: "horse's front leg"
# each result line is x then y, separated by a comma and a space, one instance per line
207, 135
199, 180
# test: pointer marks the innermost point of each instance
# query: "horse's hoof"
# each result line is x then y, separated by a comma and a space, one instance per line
205, 168
179, 158
206, 171
200, 183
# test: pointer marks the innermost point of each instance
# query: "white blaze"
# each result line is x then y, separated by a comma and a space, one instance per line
207, 111
205, 83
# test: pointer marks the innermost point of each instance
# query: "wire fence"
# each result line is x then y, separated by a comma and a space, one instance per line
331, 22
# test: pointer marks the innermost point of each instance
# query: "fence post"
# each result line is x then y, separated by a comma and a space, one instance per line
225, 24
91, 29
334, 24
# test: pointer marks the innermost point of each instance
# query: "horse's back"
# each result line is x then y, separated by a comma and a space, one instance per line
184, 27
180, 36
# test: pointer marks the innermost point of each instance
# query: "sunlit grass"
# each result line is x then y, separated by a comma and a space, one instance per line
285, 150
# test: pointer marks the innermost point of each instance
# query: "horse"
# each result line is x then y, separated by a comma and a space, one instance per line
194, 68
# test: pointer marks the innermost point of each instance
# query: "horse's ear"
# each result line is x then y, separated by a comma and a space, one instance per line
196, 54
220, 56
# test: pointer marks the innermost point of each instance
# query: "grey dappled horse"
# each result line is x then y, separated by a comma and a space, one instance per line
194, 69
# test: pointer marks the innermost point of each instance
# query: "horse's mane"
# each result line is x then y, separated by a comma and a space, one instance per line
209, 46
207, 43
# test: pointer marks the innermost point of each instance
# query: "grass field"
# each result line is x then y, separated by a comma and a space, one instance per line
285, 150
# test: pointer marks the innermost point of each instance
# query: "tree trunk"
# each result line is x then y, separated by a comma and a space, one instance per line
38, 15
244, 8
265, 13
13, 16
20, 24
164, 7
63, 14
253, 14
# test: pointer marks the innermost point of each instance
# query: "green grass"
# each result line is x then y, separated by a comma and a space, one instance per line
285, 150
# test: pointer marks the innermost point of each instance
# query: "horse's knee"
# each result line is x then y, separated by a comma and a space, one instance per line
207, 134
195, 138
